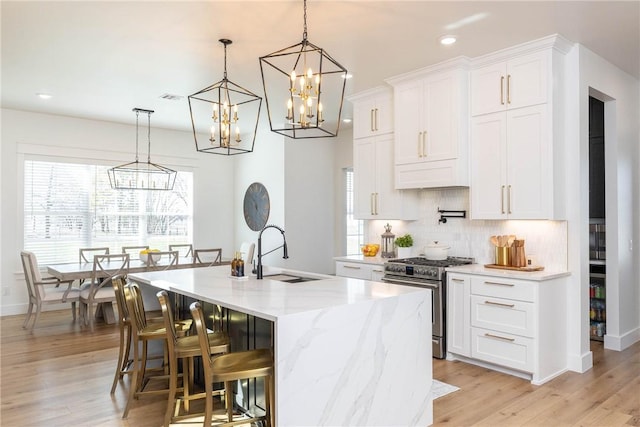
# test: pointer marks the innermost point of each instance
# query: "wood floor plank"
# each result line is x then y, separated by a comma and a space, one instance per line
60, 375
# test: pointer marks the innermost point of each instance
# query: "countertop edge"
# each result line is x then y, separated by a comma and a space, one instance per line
480, 269
361, 259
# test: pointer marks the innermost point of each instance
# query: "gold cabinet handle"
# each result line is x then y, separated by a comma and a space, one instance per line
419, 144
501, 304
499, 284
351, 267
502, 90
502, 199
375, 119
509, 199
424, 144
499, 337
508, 88
377, 203
457, 280
371, 204
371, 112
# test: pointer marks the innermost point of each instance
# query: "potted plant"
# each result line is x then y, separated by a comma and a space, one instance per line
404, 244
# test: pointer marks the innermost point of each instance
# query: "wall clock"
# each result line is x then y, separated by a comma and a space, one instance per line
256, 206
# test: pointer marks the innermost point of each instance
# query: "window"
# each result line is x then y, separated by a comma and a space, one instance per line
68, 206
354, 227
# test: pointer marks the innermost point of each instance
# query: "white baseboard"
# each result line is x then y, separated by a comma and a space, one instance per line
16, 309
580, 363
622, 342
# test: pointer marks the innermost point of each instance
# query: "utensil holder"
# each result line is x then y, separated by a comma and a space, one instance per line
502, 255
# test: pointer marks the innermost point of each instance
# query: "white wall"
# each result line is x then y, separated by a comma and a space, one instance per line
110, 143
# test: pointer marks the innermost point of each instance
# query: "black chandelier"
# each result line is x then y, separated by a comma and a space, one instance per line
216, 111
138, 175
304, 89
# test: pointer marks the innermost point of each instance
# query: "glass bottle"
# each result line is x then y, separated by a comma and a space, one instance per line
234, 265
240, 266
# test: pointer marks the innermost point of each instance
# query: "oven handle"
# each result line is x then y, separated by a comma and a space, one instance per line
429, 284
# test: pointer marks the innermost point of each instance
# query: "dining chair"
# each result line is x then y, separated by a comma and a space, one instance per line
185, 249
44, 290
207, 256
231, 367
247, 249
86, 254
185, 349
134, 251
99, 290
162, 260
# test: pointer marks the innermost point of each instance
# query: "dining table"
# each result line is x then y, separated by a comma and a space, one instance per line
81, 271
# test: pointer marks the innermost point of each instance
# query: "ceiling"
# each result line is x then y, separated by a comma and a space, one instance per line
99, 60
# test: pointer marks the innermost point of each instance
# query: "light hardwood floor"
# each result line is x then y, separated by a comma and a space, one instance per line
61, 375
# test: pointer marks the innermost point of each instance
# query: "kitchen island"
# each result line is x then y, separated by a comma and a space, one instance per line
346, 351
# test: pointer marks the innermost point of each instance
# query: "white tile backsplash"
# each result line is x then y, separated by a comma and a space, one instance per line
545, 241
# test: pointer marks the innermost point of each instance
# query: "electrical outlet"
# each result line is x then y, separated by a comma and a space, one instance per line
5, 291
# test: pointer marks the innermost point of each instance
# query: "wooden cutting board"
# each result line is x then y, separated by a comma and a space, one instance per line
509, 267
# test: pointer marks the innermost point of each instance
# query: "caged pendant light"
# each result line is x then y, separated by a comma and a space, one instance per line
304, 89
227, 114
138, 175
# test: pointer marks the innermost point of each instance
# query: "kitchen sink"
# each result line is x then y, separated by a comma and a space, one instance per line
289, 278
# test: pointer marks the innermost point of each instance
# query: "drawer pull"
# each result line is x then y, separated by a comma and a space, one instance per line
499, 338
500, 304
457, 280
499, 284
353, 267
378, 271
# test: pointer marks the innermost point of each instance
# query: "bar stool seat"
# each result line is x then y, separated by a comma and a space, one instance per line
232, 367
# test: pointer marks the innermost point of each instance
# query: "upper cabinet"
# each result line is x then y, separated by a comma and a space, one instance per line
374, 194
518, 82
430, 122
372, 112
516, 134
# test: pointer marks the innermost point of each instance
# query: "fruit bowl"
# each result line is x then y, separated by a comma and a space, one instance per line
370, 249
144, 255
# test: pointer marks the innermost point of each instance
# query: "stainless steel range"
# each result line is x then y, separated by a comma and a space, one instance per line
425, 273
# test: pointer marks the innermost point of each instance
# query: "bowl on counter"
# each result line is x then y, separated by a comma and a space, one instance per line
370, 249
144, 256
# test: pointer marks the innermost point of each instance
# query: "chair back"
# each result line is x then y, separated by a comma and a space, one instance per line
169, 323
86, 254
119, 282
203, 338
154, 258
135, 308
247, 249
185, 249
105, 267
134, 250
207, 256
31, 273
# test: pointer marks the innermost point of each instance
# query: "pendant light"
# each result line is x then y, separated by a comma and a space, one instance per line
304, 89
224, 116
138, 175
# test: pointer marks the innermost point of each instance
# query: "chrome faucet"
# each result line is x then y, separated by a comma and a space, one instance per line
285, 254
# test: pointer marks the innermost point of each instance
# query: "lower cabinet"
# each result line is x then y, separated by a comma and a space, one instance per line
357, 270
508, 323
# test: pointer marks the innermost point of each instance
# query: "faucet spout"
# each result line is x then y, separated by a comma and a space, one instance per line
285, 250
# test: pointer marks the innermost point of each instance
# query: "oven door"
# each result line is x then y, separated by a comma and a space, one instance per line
437, 312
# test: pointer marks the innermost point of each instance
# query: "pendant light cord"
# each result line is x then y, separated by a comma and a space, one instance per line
304, 34
149, 137
137, 115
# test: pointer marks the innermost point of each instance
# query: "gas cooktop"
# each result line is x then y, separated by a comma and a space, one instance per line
449, 262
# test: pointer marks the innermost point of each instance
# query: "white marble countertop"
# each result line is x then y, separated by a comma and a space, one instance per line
361, 259
480, 269
266, 298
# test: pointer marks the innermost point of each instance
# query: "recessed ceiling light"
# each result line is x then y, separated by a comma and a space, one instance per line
346, 120
43, 95
348, 76
447, 40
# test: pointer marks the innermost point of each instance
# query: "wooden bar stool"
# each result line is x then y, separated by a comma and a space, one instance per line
185, 348
232, 367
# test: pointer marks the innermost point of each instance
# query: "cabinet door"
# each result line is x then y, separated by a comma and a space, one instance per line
488, 166
383, 114
527, 80
530, 167
488, 89
409, 126
388, 201
458, 315
363, 122
440, 137
364, 177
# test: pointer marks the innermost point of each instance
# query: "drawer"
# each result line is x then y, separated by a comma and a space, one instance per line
521, 290
353, 269
509, 316
507, 350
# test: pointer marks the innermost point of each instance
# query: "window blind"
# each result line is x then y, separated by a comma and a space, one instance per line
68, 206
354, 227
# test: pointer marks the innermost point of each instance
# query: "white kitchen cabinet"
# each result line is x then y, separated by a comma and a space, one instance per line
516, 145
372, 112
458, 314
360, 270
503, 322
519, 82
431, 122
